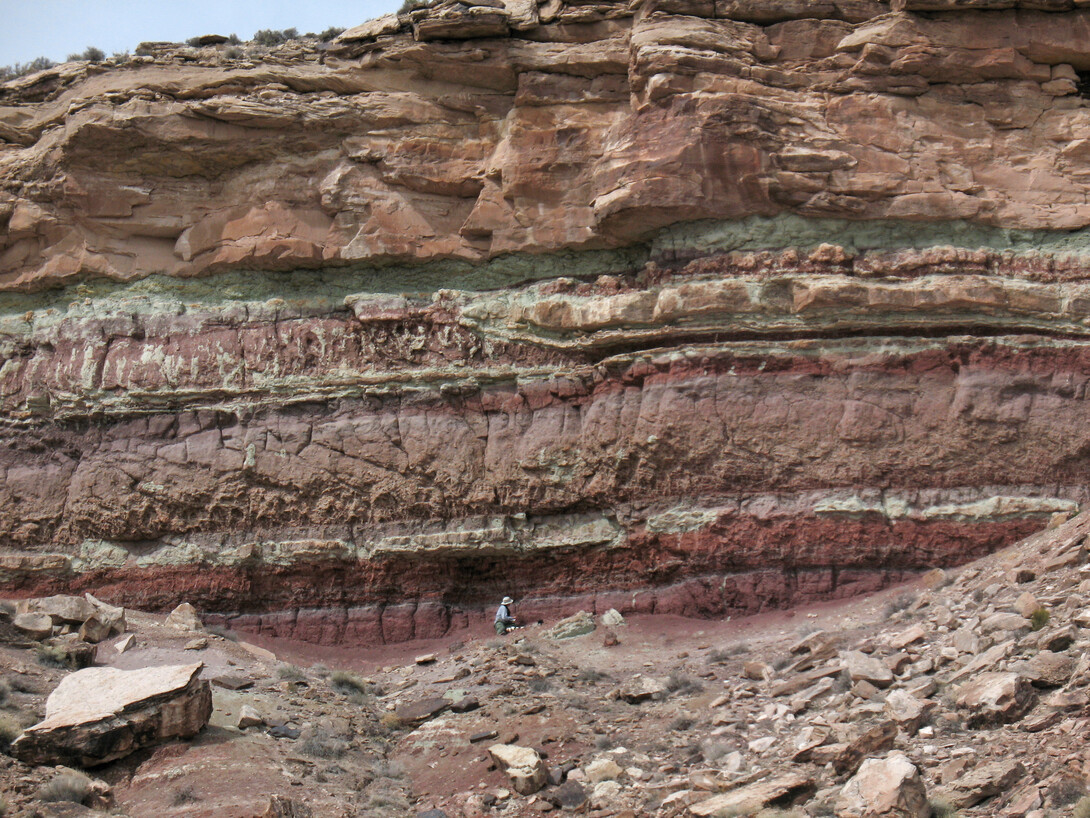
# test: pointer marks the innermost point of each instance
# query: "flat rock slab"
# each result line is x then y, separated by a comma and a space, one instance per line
421, 711
100, 714
784, 790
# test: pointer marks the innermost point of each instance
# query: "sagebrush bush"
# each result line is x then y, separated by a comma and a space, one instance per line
270, 37
21, 69
66, 787
345, 682
683, 683
186, 795
323, 745
9, 729
90, 54
51, 655
330, 33
290, 673
941, 808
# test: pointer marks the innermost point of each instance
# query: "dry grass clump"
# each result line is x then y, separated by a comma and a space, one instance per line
290, 673
66, 787
683, 684
348, 683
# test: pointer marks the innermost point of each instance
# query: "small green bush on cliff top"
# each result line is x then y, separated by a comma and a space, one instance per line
21, 69
90, 53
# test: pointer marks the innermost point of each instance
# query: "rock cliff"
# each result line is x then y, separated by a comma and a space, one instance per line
686, 306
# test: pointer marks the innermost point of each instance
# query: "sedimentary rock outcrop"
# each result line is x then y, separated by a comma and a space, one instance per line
675, 306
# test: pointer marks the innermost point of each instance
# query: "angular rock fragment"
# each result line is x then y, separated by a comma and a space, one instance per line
996, 698
249, 717
1048, 669
523, 766
577, 625
884, 787
867, 668
35, 626
907, 711
98, 715
185, 618
983, 782
874, 741
416, 713
641, 688
63, 608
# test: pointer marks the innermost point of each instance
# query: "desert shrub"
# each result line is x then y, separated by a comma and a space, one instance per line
330, 33
780, 662
270, 37
323, 745
1082, 809
186, 795
91, 54
805, 630
233, 53
290, 673
5, 691
120, 56
14, 71
603, 742
66, 787
898, 604
389, 720
683, 684
941, 808
232, 39
1066, 790
590, 674
682, 723
411, 5
714, 749
720, 655
193, 42
9, 729
1039, 618
320, 670
539, 684
51, 655
344, 682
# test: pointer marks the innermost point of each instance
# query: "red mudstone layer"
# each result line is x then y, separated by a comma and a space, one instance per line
737, 566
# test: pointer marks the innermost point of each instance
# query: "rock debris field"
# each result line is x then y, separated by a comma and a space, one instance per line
964, 693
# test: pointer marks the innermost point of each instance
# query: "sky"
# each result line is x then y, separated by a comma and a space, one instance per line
57, 28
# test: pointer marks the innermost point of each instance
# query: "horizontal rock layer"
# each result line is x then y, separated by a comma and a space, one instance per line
681, 307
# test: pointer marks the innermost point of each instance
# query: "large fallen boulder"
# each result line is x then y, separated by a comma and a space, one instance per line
102, 714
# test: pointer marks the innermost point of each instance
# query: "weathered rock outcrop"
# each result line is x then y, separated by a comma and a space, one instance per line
672, 306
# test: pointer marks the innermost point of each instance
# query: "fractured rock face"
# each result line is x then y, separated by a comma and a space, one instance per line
98, 715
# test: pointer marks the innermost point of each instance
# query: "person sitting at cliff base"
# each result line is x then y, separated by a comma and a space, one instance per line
504, 619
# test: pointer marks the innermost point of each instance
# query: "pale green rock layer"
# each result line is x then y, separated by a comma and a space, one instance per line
514, 535
322, 289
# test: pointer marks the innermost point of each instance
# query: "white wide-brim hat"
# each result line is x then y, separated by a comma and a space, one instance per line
507, 601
